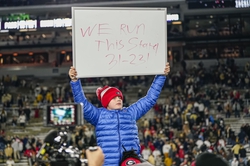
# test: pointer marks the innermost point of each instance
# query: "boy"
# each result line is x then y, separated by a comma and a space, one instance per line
116, 129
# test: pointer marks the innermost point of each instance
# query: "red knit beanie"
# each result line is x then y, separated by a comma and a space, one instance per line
106, 94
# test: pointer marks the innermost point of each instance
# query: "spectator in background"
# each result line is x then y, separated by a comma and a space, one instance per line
184, 65
156, 153
146, 153
166, 149
241, 162
45, 158
14, 121
36, 115
228, 110
248, 161
146, 123
235, 162
167, 161
219, 107
6, 100
139, 94
27, 112
2, 132
241, 135
236, 150
247, 94
15, 146
158, 160
22, 119
243, 154
236, 109
8, 151
37, 90
23, 83
49, 98
176, 160
10, 162
19, 101
3, 118
14, 80
151, 159
2, 89
58, 91
7, 80
181, 153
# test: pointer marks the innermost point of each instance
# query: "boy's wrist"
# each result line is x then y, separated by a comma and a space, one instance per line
74, 80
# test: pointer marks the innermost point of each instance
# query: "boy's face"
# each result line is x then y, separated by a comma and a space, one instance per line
115, 104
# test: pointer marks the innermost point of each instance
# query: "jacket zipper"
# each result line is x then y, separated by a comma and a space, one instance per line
119, 134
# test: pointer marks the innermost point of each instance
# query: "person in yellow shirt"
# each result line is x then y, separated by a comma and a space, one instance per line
222, 77
46, 159
185, 128
236, 149
8, 151
151, 159
167, 160
49, 97
186, 111
39, 98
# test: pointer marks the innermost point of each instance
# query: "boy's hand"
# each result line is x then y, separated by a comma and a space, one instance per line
96, 157
167, 69
72, 73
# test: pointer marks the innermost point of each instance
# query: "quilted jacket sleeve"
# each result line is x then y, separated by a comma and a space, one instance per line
143, 105
90, 112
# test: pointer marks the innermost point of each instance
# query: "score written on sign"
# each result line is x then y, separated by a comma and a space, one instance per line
121, 49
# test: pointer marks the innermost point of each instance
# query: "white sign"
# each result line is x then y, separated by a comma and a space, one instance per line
119, 41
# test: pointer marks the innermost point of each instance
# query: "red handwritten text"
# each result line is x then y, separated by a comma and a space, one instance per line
137, 43
128, 29
101, 29
131, 59
108, 44
131, 44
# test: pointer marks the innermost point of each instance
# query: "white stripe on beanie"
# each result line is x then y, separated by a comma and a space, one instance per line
104, 91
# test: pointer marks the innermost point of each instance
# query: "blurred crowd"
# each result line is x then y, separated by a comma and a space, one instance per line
186, 123
182, 130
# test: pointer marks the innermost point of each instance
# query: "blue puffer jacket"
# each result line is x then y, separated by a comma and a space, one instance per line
117, 128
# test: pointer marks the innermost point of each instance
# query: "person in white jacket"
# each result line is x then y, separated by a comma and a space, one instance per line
20, 145
235, 162
15, 147
22, 119
166, 148
10, 162
156, 153
146, 153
